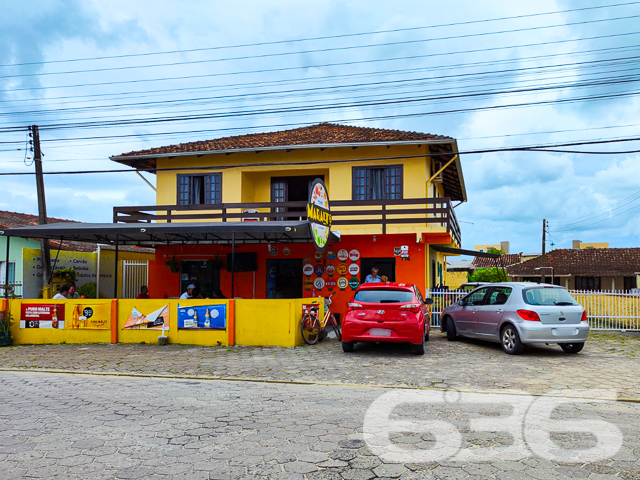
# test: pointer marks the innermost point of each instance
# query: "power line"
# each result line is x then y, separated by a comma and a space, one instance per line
329, 37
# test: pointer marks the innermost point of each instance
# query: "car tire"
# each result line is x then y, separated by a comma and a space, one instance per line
452, 335
510, 340
572, 347
426, 337
348, 346
419, 347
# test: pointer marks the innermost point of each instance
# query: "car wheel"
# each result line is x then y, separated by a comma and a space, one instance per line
451, 330
572, 347
510, 340
348, 346
419, 348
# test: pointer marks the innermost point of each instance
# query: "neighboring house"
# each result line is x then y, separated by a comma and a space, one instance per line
267, 176
579, 244
584, 269
503, 261
24, 270
457, 273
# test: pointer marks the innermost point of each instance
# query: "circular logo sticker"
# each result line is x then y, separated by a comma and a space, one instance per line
354, 255
318, 214
318, 283
273, 251
87, 312
354, 269
331, 254
343, 255
342, 283
307, 269
330, 270
353, 283
286, 251
342, 269
318, 256
319, 269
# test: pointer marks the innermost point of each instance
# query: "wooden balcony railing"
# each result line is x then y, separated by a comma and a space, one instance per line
382, 213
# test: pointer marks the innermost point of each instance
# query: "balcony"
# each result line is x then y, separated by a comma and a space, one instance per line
377, 216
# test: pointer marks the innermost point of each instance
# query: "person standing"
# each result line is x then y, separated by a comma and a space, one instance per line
373, 276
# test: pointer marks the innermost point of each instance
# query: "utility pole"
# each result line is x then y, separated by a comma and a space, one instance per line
544, 244
42, 205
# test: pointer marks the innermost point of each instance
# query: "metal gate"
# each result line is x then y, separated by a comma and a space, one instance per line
611, 311
135, 273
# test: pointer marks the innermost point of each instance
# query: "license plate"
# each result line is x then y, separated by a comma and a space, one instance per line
380, 332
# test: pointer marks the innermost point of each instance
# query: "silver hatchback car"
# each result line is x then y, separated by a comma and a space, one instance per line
515, 314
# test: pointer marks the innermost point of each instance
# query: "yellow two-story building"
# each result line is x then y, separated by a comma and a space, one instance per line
392, 197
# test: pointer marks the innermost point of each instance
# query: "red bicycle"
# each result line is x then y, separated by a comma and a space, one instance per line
312, 327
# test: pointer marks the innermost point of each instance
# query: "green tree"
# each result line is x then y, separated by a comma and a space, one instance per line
489, 275
495, 250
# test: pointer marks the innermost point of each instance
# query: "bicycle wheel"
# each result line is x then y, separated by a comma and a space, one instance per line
336, 327
310, 329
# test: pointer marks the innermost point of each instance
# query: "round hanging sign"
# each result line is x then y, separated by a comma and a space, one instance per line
354, 255
307, 269
343, 254
342, 283
286, 251
330, 270
318, 214
318, 256
342, 269
318, 283
353, 283
273, 251
354, 269
331, 254
319, 269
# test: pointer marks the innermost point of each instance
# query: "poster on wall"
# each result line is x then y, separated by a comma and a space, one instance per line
154, 320
89, 316
40, 315
203, 317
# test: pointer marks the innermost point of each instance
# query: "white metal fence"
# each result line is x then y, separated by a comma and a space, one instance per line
135, 273
609, 311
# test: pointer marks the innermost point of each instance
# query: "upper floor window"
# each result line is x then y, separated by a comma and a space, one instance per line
377, 183
200, 189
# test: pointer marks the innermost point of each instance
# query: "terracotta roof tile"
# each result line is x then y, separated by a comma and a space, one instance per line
505, 260
601, 262
322, 133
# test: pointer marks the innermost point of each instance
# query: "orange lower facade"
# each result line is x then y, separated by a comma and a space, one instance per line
297, 270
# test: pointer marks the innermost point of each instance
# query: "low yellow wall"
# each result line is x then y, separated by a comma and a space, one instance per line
255, 322
23, 336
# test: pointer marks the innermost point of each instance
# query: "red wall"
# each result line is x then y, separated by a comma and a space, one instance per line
164, 283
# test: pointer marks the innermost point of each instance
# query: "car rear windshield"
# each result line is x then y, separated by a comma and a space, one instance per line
548, 296
383, 295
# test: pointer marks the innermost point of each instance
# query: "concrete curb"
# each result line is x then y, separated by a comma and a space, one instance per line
212, 378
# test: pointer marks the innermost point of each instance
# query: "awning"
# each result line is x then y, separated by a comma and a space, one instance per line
187, 233
460, 251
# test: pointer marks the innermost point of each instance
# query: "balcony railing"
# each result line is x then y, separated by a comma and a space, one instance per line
380, 213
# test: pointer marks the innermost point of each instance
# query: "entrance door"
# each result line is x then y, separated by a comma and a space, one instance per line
284, 278
386, 267
203, 275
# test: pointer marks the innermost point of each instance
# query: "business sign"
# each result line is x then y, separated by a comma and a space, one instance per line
331, 254
353, 283
318, 283
202, 317
342, 283
354, 255
318, 214
318, 256
90, 316
354, 269
343, 254
319, 269
41, 315
330, 270
342, 269
307, 269
154, 320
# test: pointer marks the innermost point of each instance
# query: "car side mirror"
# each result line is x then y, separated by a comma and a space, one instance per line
461, 303
428, 301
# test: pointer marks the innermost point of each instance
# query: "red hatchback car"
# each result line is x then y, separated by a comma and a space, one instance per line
386, 312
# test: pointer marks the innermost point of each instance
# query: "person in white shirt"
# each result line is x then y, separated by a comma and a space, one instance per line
62, 294
189, 293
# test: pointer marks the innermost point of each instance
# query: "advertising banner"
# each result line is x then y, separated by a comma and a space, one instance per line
154, 320
203, 317
41, 315
90, 316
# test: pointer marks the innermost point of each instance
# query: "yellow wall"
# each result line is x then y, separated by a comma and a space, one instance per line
257, 322
594, 245
485, 248
455, 279
252, 183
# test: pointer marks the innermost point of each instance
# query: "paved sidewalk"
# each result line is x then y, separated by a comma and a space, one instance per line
608, 361
84, 427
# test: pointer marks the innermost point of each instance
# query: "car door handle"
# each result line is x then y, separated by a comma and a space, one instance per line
475, 310
499, 311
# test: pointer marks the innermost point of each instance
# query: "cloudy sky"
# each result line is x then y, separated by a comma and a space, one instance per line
491, 74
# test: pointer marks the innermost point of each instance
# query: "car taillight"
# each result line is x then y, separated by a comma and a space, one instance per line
584, 316
354, 306
529, 315
412, 307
